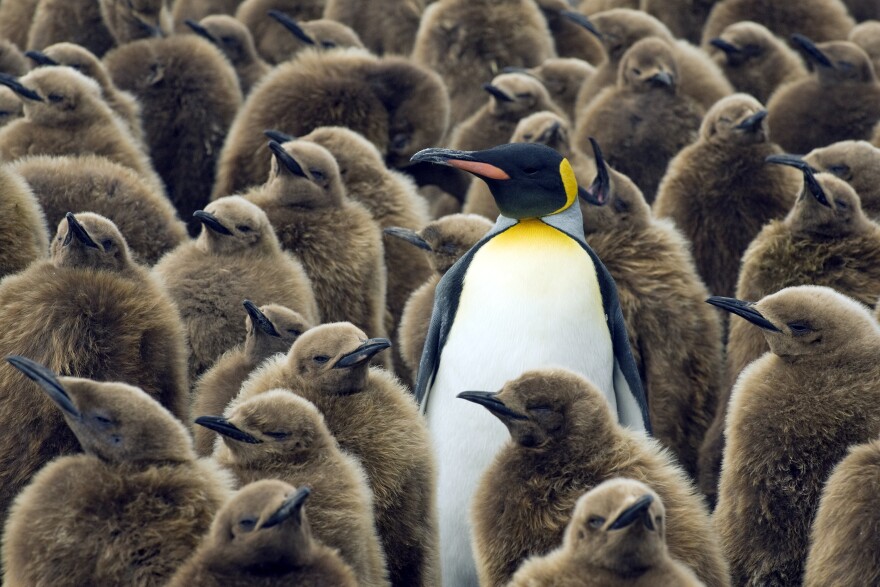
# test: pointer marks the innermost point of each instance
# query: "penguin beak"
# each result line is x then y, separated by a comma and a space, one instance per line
210, 221
581, 20
278, 136
201, 31
598, 192
47, 380
363, 353
753, 123
661, 79
226, 428
637, 511
809, 175
40, 58
728, 48
75, 229
743, 310
259, 319
811, 50
292, 27
550, 135
498, 93
490, 401
285, 160
291, 507
464, 160
13, 84
408, 236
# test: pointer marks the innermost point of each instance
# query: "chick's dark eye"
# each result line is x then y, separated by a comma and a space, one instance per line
247, 524
596, 522
317, 174
839, 169
321, 359
278, 435
328, 44
103, 420
55, 97
106, 243
243, 228
637, 71
799, 328
293, 331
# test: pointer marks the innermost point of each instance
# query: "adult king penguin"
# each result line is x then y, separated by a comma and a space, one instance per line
530, 294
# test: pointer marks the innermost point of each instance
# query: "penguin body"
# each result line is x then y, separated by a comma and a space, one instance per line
196, 10
685, 18
563, 78
129, 22
255, 15
235, 41
23, 234
570, 35
385, 26
15, 20
863, 10
71, 21
12, 60
867, 36
10, 106
145, 217
858, 164
134, 506
281, 37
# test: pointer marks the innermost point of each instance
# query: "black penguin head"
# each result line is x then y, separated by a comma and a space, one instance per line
527, 180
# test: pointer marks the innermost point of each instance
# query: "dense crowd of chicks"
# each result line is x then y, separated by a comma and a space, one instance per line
217, 163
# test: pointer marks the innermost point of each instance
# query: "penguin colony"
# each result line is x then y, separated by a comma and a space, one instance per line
440, 293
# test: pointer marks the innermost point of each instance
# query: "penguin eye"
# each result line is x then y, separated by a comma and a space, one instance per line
328, 44
317, 174
321, 359
294, 331
839, 170
247, 524
106, 243
528, 136
637, 71
530, 170
596, 522
55, 98
799, 328
278, 435
103, 420
243, 228
523, 95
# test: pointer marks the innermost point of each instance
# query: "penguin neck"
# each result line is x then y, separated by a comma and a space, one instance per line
570, 221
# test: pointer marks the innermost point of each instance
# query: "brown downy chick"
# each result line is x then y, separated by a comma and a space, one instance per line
825, 240
12, 60
589, 7
270, 329
858, 164
336, 239
385, 26
398, 106
840, 101
236, 42
511, 97
563, 78
130, 20
278, 435
571, 32
719, 192
10, 106
376, 420
754, 60
645, 120
863, 10
189, 94
236, 257
565, 441
822, 20
675, 336
263, 538
454, 41
183, 10
620, 29
16, 19
867, 36
23, 235
68, 21
444, 241
145, 217
65, 114
685, 18
844, 541
85, 62
134, 506
616, 538
793, 414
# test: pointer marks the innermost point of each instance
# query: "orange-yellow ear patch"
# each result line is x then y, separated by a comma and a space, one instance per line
569, 181
481, 169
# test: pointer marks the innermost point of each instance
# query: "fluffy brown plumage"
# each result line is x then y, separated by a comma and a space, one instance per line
867, 36
134, 506
15, 20
858, 164
144, 216
374, 418
255, 15
235, 41
793, 415
263, 538
385, 26
128, 21
720, 191
570, 37
23, 235
685, 18
278, 435
398, 106
183, 10
12, 60
72, 21
10, 106
563, 78
281, 37
236, 257
564, 441
645, 119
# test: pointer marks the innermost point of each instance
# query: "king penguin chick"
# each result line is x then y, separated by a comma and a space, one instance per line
675, 337
867, 36
135, 504
189, 94
825, 240
16, 19
10, 106
645, 119
385, 26
12, 60
82, 60
754, 60
840, 101
236, 42
88, 311
822, 20
455, 41
858, 164
68, 21
270, 329
145, 217
280, 37
685, 18
843, 541
444, 241
237, 256
398, 106
278, 435
512, 96
571, 32
563, 441
719, 192
65, 114
373, 418
793, 414
183, 10
263, 538
530, 294
128, 21
23, 234
563, 78
616, 538
336, 239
